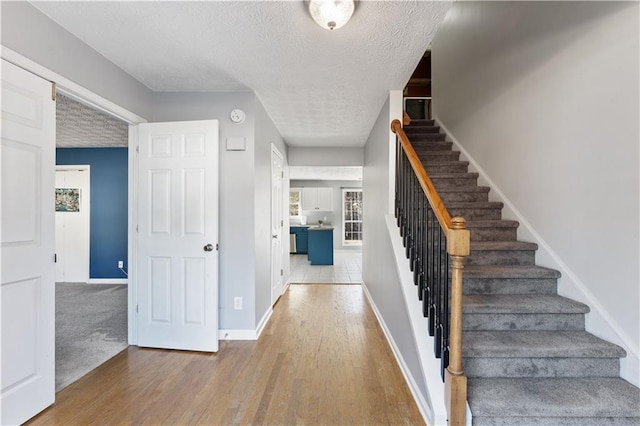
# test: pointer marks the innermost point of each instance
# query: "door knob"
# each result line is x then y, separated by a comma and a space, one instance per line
208, 247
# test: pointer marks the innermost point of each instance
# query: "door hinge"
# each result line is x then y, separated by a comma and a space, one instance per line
136, 309
282, 223
53, 91
281, 272
138, 149
136, 228
55, 257
282, 174
217, 246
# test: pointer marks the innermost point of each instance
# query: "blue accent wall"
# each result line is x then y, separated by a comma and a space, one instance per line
109, 192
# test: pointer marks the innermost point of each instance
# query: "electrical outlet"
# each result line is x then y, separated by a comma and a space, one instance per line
120, 264
237, 303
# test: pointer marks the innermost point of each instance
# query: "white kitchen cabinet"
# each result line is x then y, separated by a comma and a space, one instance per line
318, 199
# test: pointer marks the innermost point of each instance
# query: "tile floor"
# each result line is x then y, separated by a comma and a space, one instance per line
346, 269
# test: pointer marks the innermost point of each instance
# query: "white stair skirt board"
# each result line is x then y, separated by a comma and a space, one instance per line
108, 281
597, 322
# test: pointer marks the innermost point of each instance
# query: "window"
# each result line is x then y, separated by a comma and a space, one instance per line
294, 201
352, 216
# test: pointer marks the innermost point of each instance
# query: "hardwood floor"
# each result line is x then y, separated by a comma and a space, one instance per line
322, 359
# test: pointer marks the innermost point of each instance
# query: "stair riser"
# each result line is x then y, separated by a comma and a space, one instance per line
541, 367
505, 322
501, 257
439, 156
424, 136
420, 123
493, 234
426, 147
454, 182
452, 197
421, 129
509, 286
460, 167
479, 214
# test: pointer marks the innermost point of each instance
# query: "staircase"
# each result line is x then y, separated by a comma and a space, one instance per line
527, 356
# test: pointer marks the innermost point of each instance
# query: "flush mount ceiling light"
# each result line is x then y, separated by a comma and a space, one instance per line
331, 14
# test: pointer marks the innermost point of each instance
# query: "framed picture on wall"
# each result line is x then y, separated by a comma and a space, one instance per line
67, 199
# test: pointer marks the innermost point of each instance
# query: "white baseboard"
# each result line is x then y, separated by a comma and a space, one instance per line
248, 334
598, 321
108, 281
263, 322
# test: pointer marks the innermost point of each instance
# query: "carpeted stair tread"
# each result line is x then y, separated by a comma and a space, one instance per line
508, 271
472, 188
521, 304
553, 401
492, 223
453, 175
421, 129
537, 344
502, 246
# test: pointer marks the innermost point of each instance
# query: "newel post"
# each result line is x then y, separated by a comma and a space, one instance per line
455, 381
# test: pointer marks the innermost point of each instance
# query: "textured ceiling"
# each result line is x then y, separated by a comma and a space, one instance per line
79, 126
320, 87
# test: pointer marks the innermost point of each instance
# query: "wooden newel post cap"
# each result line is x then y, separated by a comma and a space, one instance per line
458, 223
458, 238
395, 125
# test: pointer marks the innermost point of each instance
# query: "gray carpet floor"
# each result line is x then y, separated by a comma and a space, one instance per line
91, 327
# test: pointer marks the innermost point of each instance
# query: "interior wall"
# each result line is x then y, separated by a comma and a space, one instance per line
265, 135
544, 97
334, 217
331, 156
378, 268
109, 206
29, 32
237, 204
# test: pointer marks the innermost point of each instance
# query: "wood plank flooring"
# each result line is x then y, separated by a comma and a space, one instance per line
321, 360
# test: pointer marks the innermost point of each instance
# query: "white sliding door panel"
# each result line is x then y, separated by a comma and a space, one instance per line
27, 281
72, 227
178, 235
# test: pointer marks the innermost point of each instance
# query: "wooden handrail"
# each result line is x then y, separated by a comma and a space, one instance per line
458, 246
444, 218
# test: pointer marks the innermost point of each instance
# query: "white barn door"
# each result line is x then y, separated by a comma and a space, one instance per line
177, 259
277, 177
27, 287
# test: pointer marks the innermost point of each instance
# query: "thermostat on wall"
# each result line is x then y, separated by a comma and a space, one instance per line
237, 115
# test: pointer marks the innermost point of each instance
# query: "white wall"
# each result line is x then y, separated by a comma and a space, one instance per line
333, 217
299, 156
379, 272
265, 135
544, 97
29, 32
237, 259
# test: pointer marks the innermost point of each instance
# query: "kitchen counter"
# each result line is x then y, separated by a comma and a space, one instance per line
320, 228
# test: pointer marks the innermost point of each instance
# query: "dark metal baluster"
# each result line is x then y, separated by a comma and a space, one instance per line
438, 293
432, 271
397, 182
446, 309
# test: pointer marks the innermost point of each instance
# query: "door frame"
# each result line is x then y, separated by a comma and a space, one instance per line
85, 96
274, 298
86, 193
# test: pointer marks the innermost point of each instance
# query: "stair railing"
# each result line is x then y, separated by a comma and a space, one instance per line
435, 243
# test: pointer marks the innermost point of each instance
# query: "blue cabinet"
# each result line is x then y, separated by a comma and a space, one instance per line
321, 246
302, 241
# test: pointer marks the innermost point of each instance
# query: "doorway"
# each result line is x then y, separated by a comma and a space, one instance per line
91, 239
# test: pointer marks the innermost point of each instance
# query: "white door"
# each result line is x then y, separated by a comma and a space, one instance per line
277, 176
72, 224
177, 259
27, 290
